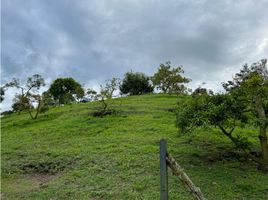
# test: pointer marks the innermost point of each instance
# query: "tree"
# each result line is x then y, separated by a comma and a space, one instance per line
250, 85
106, 92
65, 90
33, 84
29, 94
110, 86
246, 99
169, 80
136, 84
220, 110
202, 91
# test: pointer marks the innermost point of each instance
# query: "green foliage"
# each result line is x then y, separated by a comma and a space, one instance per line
48, 98
220, 110
136, 84
2, 93
250, 86
169, 80
21, 103
204, 110
202, 91
63, 90
110, 86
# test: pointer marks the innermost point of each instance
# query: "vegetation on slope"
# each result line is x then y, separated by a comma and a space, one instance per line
68, 154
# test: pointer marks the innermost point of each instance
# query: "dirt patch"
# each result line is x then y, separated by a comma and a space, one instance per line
224, 156
27, 183
41, 179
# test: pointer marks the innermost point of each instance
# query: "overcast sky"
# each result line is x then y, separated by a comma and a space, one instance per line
93, 40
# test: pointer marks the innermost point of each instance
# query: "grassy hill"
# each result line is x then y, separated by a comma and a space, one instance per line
69, 154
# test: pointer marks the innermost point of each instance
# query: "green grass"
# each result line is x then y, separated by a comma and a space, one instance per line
68, 154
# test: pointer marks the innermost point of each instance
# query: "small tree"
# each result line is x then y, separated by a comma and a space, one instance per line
28, 95
110, 87
63, 90
169, 80
136, 84
102, 98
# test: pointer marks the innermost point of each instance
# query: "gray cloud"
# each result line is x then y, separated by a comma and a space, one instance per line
95, 40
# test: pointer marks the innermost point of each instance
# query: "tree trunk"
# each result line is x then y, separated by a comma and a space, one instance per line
30, 113
264, 147
262, 134
229, 135
40, 104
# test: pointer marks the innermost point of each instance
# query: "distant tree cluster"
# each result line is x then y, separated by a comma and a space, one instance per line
67, 90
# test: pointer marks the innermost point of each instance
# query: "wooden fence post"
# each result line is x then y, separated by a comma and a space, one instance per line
163, 171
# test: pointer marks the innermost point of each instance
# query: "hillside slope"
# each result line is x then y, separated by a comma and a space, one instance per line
69, 154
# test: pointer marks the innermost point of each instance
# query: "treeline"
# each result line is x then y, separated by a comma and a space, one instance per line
167, 79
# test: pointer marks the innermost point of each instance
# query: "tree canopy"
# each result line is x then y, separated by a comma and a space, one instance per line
169, 79
64, 90
135, 84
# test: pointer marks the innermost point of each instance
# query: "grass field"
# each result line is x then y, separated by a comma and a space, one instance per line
68, 154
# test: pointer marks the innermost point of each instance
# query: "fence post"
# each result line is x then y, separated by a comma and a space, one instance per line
163, 171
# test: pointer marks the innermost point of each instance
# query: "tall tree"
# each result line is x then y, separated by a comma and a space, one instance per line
65, 90
169, 79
